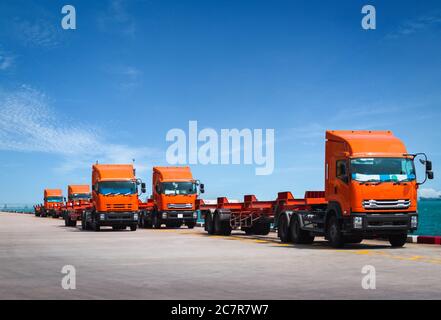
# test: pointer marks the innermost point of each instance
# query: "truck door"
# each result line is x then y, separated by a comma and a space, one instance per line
341, 188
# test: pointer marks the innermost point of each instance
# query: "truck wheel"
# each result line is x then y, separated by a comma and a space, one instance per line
66, 222
133, 227
283, 230
209, 225
73, 223
398, 240
155, 222
298, 235
83, 223
95, 226
334, 233
261, 228
190, 225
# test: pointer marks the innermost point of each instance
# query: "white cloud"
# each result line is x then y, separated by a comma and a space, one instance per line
117, 19
6, 61
414, 26
39, 33
429, 193
28, 124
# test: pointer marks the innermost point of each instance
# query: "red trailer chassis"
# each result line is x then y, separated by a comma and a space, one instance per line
73, 210
254, 216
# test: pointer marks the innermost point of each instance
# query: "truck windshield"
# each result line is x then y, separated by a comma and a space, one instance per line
382, 169
178, 188
117, 187
54, 199
80, 196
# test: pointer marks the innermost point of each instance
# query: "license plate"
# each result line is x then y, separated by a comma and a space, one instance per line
180, 215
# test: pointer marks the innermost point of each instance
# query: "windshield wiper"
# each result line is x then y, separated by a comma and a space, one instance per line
371, 181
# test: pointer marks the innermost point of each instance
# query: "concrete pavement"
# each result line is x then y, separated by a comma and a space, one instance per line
188, 264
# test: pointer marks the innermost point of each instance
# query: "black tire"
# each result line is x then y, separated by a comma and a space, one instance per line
209, 225
283, 229
95, 226
66, 222
83, 223
298, 235
398, 240
156, 222
248, 231
221, 228
133, 227
190, 225
335, 236
73, 223
261, 228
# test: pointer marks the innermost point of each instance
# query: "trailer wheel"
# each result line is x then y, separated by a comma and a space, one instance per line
95, 226
221, 227
283, 230
66, 222
209, 227
73, 223
398, 240
334, 233
261, 228
133, 227
298, 235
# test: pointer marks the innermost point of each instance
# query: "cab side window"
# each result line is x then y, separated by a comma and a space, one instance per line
342, 170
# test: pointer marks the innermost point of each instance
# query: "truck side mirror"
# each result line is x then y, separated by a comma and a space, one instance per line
202, 188
64, 199
143, 189
430, 175
428, 165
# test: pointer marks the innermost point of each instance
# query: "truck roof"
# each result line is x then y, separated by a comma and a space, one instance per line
174, 173
103, 172
78, 188
369, 143
52, 193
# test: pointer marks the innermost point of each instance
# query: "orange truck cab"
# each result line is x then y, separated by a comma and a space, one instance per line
78, 199
370, 192
114, 198
174, 196
53, 202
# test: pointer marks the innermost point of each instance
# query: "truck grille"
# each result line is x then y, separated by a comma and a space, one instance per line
386, 204
119, 207
179, 206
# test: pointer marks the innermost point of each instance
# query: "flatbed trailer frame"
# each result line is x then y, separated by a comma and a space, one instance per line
255, 217
73, 211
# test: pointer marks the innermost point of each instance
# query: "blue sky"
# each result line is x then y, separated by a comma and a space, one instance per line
111, 89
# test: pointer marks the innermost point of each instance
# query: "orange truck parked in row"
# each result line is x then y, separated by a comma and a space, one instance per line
173, 200
370, 192
52, 205
114, 198
78, 199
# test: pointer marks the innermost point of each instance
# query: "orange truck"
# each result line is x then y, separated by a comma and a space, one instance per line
78, 199
370, 192
52, 205
114, 198
173, 200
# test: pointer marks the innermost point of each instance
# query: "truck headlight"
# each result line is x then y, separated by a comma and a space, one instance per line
358, 222
102, 216
414, 222
164, 215
135, 216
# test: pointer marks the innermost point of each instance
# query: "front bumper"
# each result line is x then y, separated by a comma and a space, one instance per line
176, 215
117, 218
380, 223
